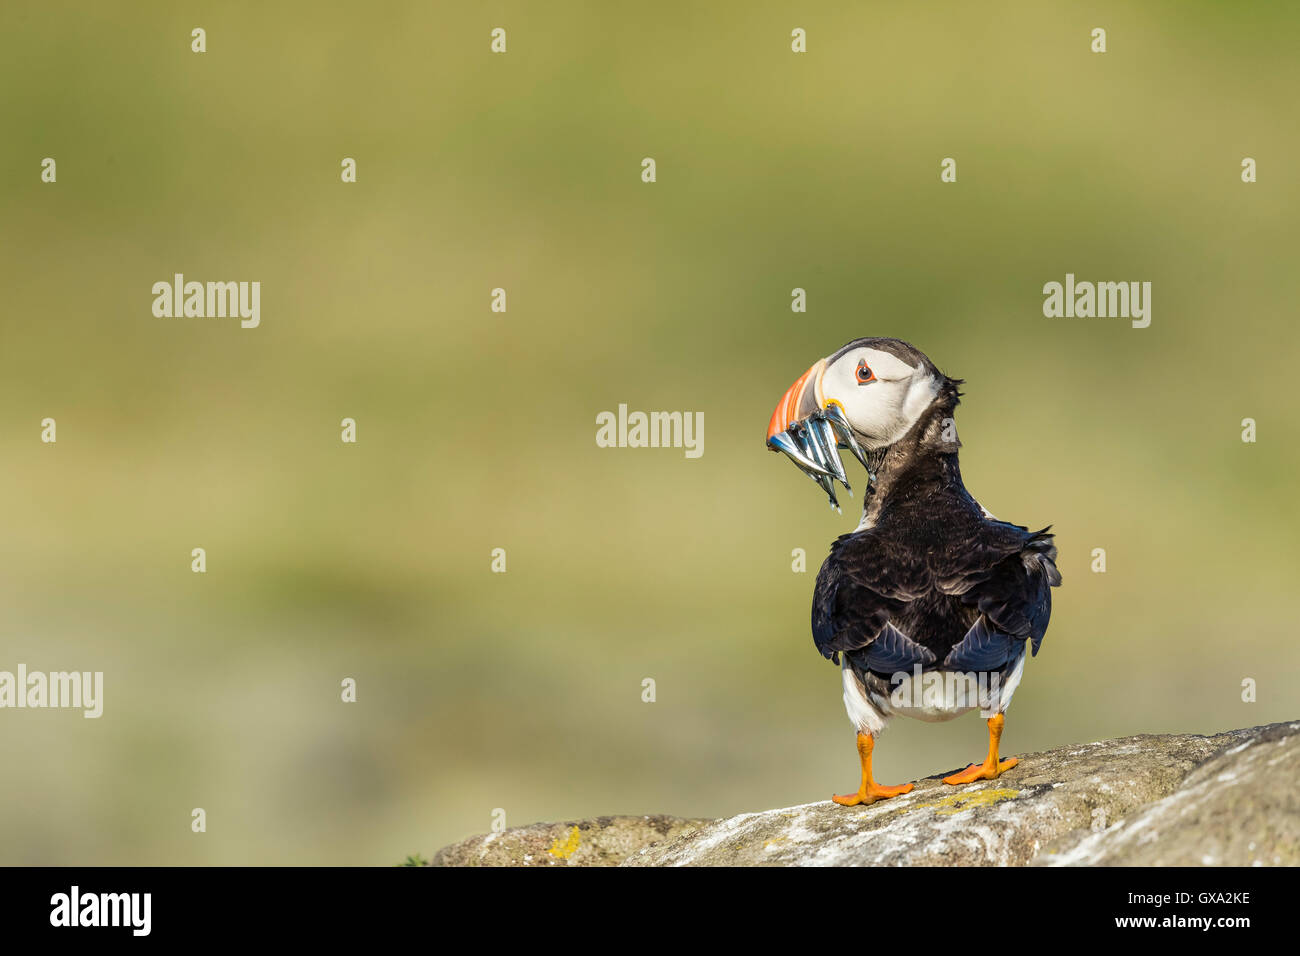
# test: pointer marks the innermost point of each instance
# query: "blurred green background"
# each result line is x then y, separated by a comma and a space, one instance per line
477, 430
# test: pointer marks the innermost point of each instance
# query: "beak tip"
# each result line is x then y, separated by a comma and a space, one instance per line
813, 441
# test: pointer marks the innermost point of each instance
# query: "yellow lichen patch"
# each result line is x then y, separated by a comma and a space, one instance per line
957, 802
775, 841
568, 847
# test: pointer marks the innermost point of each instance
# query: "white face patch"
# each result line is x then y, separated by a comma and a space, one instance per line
883, 410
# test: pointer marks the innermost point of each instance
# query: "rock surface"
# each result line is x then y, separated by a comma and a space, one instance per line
1151, 800
604, 841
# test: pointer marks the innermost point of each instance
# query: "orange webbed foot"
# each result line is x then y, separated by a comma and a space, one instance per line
869, 795
870, 791
992, 767
981, 771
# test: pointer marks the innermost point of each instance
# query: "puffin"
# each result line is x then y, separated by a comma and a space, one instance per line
929, 605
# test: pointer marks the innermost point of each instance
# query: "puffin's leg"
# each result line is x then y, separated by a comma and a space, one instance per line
991, 766
870, 791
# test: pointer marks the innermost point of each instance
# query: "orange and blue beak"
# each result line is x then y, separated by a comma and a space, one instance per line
810, 430
799, 401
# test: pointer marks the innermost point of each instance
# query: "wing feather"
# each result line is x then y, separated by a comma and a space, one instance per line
869, 585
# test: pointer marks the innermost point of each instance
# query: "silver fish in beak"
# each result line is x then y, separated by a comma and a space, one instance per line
810, 432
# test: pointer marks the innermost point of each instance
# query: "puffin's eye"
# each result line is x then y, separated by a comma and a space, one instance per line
865, 374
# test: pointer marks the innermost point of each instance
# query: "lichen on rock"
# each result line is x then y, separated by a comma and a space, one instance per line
604, 841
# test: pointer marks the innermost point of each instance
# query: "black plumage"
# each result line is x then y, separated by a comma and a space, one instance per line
930, 578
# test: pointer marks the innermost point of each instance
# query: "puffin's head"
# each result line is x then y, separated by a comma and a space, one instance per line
865, 397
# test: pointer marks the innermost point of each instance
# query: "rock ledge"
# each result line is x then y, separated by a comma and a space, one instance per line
1151, 800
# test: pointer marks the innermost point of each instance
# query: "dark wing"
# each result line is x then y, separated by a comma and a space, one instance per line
983, 648
861, 585
1009, 577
